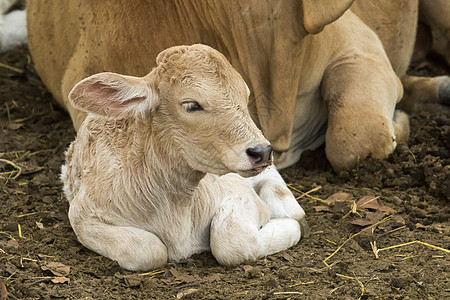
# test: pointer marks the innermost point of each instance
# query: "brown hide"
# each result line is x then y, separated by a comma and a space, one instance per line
72, 40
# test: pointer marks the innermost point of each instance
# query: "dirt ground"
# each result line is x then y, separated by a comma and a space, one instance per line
380, 231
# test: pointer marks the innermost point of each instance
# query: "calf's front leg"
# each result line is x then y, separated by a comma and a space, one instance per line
272, 189
242, 228
133, 248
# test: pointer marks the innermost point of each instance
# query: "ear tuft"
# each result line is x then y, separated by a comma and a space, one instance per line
112, 95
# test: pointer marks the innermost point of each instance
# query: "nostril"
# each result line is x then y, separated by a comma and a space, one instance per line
255, 154
260, 154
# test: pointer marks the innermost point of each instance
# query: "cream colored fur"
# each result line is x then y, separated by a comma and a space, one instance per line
149, 181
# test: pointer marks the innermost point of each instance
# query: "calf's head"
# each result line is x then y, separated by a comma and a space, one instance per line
194, 105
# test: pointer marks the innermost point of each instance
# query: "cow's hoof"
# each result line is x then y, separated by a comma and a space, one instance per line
444, 92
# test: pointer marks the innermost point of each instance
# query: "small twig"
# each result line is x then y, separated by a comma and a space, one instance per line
288, 293
41, 151
8, 234
23, 119
43, 279
329, 241
33, 213
19, 228
415, 242
357, 280
19, 169
412, 154
373, 245
152, 273
307, 193
351, 237
2, 65
393, 230
8, 112
301, 283
368, 201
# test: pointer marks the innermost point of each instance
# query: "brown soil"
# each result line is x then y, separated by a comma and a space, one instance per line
412, 186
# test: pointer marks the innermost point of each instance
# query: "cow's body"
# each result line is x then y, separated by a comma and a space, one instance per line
267, 42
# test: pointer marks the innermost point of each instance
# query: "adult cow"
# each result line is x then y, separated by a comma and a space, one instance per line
310, 76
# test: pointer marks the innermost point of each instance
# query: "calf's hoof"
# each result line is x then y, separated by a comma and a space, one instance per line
304, 228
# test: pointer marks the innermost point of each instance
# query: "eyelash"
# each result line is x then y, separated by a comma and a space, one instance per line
191, 106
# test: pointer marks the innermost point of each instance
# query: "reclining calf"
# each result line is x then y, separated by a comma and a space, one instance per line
152, 176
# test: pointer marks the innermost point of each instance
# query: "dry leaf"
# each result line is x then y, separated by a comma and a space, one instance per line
12, 244
174, 272
59, 216
40, 225
288, 257
399, 220
340, 207
420, 226
186, 278
213, 277
361, 222
374, 216
3, 291
441, 228
369, 202
370, 218
31, 170
247, 268
338, 197
57, 268
11, 269
182, 277
187, 292
387, 209
60, 279
321, 208
14, 125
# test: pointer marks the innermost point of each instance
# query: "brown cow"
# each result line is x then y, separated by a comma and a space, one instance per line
312, 78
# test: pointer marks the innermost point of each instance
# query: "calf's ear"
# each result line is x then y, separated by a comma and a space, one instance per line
113, 95
318, 13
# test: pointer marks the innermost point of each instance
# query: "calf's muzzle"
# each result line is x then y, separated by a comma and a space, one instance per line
260, 155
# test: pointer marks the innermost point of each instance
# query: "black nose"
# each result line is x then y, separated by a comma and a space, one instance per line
260, 154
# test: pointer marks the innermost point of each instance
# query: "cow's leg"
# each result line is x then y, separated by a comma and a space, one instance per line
361, 95
436, 14
133, 248
425, 93
242, 229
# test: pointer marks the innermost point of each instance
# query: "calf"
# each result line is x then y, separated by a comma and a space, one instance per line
157, 169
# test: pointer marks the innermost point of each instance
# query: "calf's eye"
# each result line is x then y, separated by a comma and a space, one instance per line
191, 106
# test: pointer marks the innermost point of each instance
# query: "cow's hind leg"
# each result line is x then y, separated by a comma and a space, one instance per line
133, 248
425, 93
242, 230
